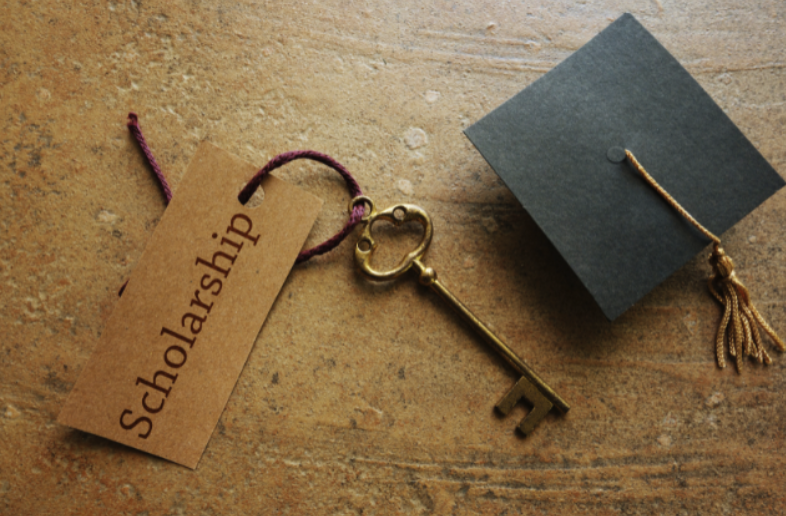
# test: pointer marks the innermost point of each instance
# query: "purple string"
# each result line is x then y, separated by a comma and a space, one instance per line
248, 190
133, 126
353, 186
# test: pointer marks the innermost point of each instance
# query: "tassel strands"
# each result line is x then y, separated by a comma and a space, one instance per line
739, 327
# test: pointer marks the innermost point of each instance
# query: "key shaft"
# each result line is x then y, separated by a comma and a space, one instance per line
428, 277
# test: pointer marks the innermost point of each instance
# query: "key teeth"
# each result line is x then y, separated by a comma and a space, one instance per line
540, 404
505, 405
536, 415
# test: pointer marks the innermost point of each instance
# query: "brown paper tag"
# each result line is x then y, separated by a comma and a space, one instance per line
177, 340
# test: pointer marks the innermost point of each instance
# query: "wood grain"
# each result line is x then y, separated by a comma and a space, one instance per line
358, 398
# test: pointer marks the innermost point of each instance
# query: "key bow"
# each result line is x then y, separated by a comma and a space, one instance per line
396, 215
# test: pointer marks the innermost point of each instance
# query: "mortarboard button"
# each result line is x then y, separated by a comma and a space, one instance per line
560, 144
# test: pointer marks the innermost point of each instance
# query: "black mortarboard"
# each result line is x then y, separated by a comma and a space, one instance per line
559, 146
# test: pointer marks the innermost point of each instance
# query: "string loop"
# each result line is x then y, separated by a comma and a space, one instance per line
355, 216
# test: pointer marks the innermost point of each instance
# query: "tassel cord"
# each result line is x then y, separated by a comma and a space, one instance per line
739, 326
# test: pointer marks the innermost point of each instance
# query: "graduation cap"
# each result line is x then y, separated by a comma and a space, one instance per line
560, 146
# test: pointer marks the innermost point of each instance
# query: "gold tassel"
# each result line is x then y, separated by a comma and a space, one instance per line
739, 325
740, 321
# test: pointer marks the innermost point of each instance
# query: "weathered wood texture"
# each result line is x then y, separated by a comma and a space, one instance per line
362, 399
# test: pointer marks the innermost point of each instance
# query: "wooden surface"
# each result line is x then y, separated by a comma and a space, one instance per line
364, 399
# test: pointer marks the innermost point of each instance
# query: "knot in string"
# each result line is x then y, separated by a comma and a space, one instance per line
739, 325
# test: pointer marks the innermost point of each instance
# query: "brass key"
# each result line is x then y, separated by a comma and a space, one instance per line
530, 386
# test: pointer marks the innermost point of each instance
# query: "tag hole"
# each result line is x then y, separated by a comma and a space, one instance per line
399, 214
364, 245
256, 199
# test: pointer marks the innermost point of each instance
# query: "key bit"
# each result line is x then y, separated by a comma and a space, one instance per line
540, 404
530, 386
